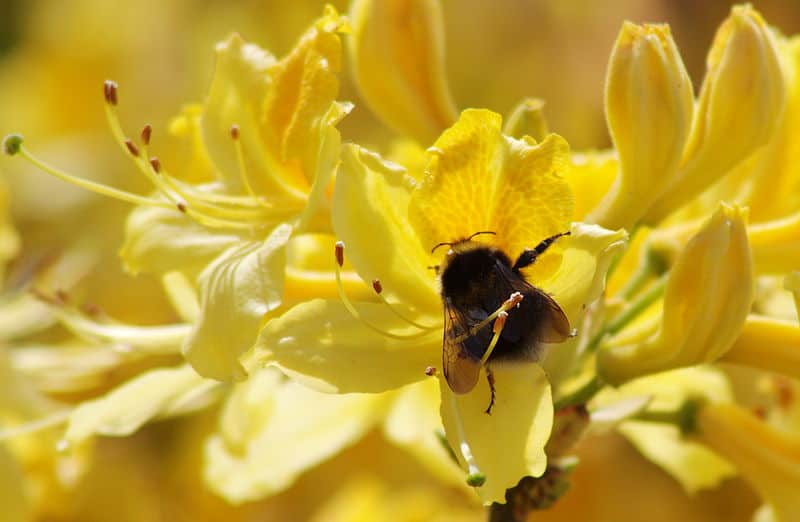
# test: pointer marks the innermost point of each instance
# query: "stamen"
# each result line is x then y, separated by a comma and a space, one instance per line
378, 287
497, 328
235, 132
475, 478
430, 371
339, 253
91, 186
513, 300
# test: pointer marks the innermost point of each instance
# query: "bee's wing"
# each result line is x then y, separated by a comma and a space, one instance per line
461, 369
555, 326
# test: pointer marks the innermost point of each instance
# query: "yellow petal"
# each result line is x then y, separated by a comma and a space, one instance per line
649, 104
693, 465
272, 430
413, 422
159, 240
298, 104
397, 53
689, 462
769, 344
237, 290
321, 344
153, 395
776, 244
739, 107
370, 205
508, 444
708, 295
590, 177
190, 162
478, 179
768, 459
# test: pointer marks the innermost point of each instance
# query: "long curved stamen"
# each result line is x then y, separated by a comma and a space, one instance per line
243, 177
378, 288
27, 428
152, 171
91, 186
512, 301
352, 309
475, 477
497, 328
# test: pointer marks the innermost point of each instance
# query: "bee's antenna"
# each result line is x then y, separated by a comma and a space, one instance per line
481, 232
440, 245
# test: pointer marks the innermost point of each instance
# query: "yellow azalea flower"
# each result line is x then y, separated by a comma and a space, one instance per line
688, 461
669, 149
649, 106
477, 179
768, 459
527, 119
397, 53
268, 127
709, 292
9, 239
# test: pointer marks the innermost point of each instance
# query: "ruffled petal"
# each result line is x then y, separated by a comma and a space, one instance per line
272, 430
508, 444
237, 290
478, 180
159, 240
320, 343
370, 205
152, 395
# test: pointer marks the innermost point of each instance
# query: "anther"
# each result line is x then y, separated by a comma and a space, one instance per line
513, 300
181, 206
91, 309
500, 322
156, 164
430, 371
147, 131
235, 131
377, 286
12, 143
132, 148
110, 92
339, 253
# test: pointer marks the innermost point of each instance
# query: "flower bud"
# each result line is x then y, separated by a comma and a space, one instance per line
397, 51
708, 295
649, 104
740, 103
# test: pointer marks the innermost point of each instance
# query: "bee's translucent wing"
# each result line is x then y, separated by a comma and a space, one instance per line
461, 369
555, 326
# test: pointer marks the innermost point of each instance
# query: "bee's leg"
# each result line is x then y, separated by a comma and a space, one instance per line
490, 380
528, 256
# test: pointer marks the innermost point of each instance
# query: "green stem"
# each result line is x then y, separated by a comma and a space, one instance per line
636, 307
683, 417
582, 395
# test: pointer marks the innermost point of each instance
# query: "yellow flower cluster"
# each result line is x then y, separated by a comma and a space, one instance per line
313, 292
